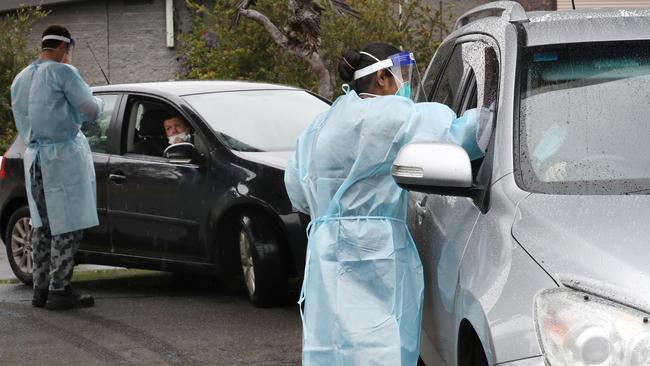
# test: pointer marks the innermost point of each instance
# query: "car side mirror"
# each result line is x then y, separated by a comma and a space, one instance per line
181, 153
434, 167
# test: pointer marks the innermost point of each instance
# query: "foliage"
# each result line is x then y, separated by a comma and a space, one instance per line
214, 49
15, 54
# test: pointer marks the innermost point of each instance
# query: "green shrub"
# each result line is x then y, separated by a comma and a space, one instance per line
15, 54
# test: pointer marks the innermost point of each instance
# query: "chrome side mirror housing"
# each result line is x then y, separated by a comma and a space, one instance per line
434, 167
181, 153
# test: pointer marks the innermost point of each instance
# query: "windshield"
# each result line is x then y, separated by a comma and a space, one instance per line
585, 119
258, 120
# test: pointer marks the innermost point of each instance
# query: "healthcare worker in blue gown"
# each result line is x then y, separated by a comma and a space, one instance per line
363, 285
50, 101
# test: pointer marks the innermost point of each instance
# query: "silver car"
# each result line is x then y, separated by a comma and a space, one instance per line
540, 252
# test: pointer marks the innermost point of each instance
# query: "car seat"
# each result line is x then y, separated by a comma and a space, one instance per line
151, 135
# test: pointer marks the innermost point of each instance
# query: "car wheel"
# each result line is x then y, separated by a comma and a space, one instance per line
263, 264
18, 242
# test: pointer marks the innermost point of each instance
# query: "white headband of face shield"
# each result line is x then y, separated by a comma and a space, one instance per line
379, 65
58, 38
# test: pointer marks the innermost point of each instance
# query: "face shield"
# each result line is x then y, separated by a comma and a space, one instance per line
67, 58
403, 68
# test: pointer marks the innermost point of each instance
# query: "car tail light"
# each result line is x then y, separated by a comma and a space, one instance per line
2, 166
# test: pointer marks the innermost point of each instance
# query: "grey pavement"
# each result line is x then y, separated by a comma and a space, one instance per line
148, 319
6, 273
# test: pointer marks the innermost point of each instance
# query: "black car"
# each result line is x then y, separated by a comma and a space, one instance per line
216, 205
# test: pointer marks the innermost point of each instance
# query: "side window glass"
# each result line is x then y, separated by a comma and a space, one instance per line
448, 91
433, 71
470, 97
483, 62
481, 90
95, 131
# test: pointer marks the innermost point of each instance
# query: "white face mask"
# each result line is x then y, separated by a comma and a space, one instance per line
182, 137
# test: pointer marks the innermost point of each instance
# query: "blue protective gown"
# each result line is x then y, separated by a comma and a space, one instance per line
363, 284
50, 101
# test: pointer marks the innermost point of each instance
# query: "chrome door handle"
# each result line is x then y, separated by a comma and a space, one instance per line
421, 206
117, 178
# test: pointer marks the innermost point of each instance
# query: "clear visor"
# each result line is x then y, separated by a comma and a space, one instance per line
68, 56
401, 65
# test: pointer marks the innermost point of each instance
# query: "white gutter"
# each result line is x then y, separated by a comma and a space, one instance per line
169, 19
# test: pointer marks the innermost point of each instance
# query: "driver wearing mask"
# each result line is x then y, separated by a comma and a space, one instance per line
177, 130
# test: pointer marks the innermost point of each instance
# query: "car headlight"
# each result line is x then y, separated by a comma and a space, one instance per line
578, 329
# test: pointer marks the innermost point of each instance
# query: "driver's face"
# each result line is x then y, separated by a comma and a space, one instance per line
174, 126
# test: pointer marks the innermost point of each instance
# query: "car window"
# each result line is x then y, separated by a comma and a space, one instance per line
480, 89
95, 131
433, 71
470, 60
144, 132
448, 90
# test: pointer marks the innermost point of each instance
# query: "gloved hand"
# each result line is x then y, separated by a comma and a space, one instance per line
484, 126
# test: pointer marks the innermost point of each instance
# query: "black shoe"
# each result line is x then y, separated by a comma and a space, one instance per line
68, 299
40, 297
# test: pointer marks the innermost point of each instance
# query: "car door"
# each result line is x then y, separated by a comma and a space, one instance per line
442, 225
97, 239
155, 205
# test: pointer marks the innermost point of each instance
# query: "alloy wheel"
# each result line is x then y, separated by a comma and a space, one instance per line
246, 258
21, 245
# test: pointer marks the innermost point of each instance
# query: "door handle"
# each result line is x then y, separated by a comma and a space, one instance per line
421, 206
117, 178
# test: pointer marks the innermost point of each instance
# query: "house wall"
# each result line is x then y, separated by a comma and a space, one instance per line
128, 38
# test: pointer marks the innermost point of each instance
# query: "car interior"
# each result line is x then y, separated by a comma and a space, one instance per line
146, 134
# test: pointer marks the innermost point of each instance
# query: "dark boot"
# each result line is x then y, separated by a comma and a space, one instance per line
40, 297
68, 299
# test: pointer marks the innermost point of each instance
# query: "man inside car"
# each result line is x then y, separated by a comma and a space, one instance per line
177, 130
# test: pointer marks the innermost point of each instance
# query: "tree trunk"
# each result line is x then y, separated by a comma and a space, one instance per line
313, 59
319, 69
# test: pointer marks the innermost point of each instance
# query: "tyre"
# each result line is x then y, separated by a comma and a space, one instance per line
264, 266
19, 245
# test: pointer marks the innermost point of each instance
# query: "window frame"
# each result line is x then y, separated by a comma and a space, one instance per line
482, 171
122, 128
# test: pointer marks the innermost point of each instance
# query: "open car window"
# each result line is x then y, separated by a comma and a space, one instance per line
144, 127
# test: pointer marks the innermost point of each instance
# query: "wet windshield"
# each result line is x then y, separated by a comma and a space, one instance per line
258, 120
585, 119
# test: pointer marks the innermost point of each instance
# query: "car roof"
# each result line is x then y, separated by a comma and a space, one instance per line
587, 25
181, 88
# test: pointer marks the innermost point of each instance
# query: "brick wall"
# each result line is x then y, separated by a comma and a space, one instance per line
127, 36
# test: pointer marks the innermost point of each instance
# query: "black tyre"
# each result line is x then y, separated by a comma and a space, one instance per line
19, 245
263, 264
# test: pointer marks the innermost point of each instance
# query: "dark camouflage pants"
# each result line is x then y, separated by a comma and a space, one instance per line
53, 255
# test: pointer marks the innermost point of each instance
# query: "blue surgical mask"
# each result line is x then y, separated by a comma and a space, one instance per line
404, 91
